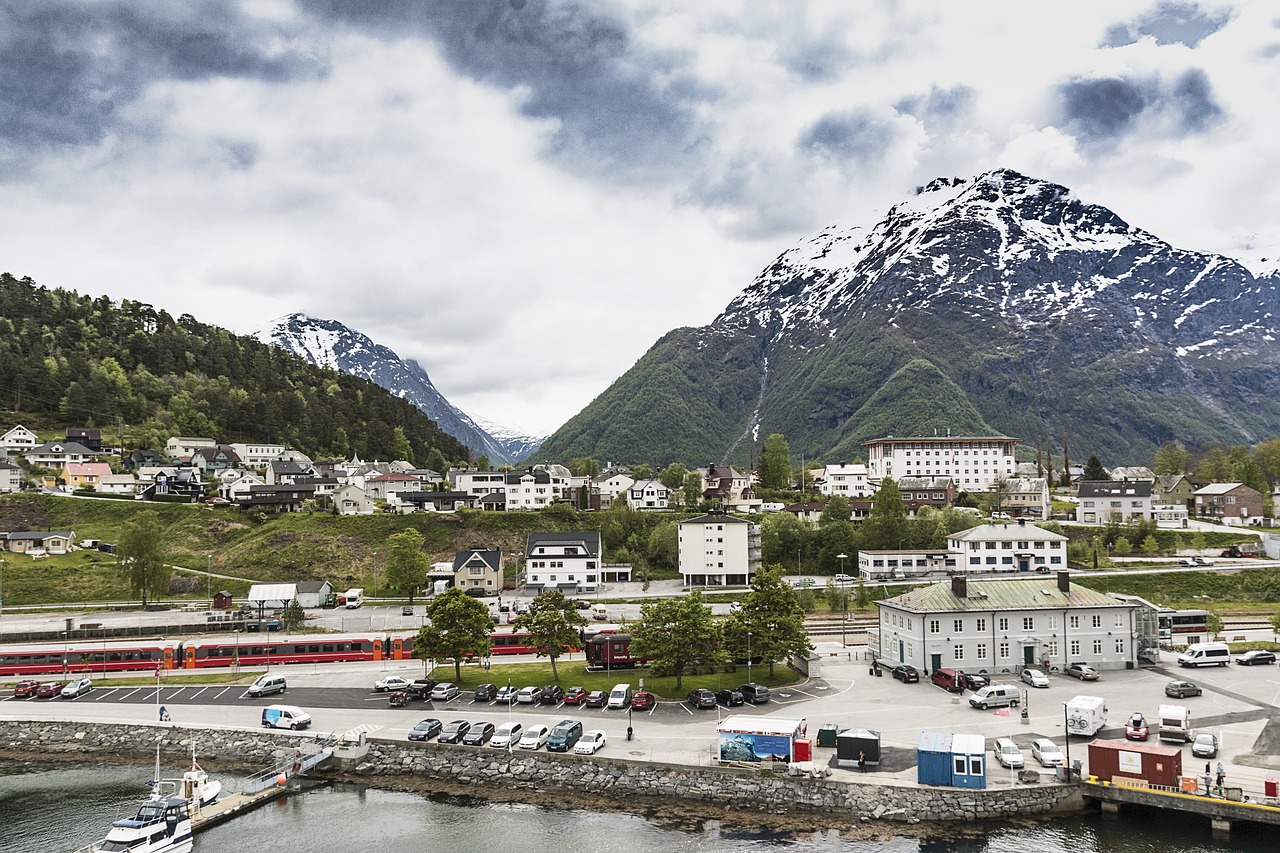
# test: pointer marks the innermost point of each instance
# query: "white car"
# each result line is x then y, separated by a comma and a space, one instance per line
1007, 753
1035, 678
1047, 753
844, 580
445, 691
77, 688
391, 682
507, 735
534, 737
591, 740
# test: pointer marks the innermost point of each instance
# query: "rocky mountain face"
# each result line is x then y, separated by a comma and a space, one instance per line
331, 344
999, 303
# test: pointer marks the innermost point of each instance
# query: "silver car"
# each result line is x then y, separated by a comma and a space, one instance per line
77, 688
1047, 753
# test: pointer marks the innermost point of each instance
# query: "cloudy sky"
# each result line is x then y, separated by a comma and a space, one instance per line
525, 194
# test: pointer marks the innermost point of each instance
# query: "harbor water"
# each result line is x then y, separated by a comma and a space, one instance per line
58, 808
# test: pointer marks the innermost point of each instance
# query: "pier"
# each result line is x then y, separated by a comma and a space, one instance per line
1221, 812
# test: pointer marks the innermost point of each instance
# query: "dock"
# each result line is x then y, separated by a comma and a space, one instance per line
266, 786
233, 805
1220, 812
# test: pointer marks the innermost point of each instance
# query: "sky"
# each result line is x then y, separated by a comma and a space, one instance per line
525, 195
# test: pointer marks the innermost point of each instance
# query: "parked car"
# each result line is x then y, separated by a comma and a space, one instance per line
1187, 563
906, 673
535, 737
77, 688
445, 691
1035, 677
973, 681
420, 688
552, 694
756, 694
729, 698
1136, 728
1047, 753
391, 682
476, 592
454, 732
485, 692
1082, 671
1201, 561
701, 698
506, 694
478, 734
597, 698
735, 606
406, 610
49, 689
27, 687
1182, 689
426, 729
1007, 753
590, 742
575, 695
1205, 746
844, 579
643, 700
1256, 656
529, 695
507, 735
582, 604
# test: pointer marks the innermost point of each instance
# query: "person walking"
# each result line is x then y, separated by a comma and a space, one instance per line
164, 714
862, 762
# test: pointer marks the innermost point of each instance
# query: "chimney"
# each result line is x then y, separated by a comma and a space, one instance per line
1064, 582
959, 586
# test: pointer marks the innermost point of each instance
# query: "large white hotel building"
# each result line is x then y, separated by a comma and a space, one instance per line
973, 461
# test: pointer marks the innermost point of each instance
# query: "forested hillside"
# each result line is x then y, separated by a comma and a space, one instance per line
142, 376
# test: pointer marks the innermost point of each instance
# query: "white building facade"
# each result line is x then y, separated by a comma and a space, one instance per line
974, 462
851, 480
718, 550
1013, 547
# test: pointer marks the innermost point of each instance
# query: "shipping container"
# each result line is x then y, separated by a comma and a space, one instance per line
850, 743
933, 758
1117, 760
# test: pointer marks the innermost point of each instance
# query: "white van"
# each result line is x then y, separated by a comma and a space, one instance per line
266, 685
1205, 654
355, 598
995, 696
285, 717
620, 696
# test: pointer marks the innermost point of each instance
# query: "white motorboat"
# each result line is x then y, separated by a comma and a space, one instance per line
161, 826
195, 786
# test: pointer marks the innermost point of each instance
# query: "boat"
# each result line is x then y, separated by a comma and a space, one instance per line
195, 786
161, 825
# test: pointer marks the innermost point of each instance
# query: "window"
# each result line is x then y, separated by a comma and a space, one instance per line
1119, 619
982, 624
959, 651
1004, 651
1097, 647
1097, 620
980, 652
975, 561
1075, 621
1028, 623
935, 626
961, 762
958, 625
1075, 648
1053, 648
1119, 646
1053, 623
1003, 623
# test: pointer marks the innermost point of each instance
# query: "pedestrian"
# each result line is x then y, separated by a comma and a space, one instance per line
1222, 777
804, 727
164, 714
862, 762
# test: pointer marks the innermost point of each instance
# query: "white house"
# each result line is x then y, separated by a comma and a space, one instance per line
647, 494
241, 487
10, 477
384, 486
259, 455
478, 483
848, 479
1000, 627
1026, 496
718, 550
1012, 547
569, 561
1123, 500
609, 486
58, 454
352, 500
18, 440
905, 564
119, 484
534, 488
181, 446
973, 461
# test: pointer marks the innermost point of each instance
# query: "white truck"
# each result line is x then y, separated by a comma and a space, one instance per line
1086, 715
1175, 724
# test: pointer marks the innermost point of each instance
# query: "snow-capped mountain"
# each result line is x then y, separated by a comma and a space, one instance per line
331, 344
999, 303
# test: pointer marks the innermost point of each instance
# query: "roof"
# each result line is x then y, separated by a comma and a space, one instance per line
272, 592
1218, 488
64, 447
41, 535
490, 557
1038, 593
1115, 488
750, 724
942, 438
715, 518
926, 483
312, 586
392, 477
1015, 530
588, 538
89, 469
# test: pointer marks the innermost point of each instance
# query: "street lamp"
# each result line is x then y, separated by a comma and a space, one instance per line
208, 579
844, 600
749, 681
1, 587
64, 651
1066, 736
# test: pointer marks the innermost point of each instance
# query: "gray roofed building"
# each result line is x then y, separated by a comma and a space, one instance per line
562, 560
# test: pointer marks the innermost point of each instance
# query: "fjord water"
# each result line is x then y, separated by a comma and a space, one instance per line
60, 808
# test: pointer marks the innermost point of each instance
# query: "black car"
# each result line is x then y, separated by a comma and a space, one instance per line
406, 610
702, 698
756, 694
421, 688
974, 682
597, 698
486, 692
552, 694
455, 732
906, 673
1257, 656
477, 592
729, 698
479, 734
425, 730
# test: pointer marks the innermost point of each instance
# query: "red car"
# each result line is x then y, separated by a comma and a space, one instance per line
26, 688
575, 696
49, 689
643, 700
1136, 728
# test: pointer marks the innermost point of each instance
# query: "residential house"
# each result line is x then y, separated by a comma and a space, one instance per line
210, 460
1025, 497
478, 568
1000, 627
352, 500
847, 479
606, 488
312, 594
647, 494
1230, 503
18, 441
235, 488
259, 455
974, 462
40, 542
185, 482
478, 483
1104, 500
729, 489
809, 512
1012, 547
936, 492
426, 476
140, 457
184, 447
58, 454
10, 478
324, 487
718, 549
85, 475
90, 438
1173, 489
906, 564
119, 484
432, 501
565, 561
1132, 472
533, 488
282, 497
281, 472
382, 487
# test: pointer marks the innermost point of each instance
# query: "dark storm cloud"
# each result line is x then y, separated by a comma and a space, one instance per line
937, 106
1098, 111
66, 68
851, 137
1168, 23
624, 113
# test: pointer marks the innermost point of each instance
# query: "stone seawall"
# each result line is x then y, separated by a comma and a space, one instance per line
623, 782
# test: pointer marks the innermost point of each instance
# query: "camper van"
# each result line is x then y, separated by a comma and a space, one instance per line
1086, 715
1205, 654
1175, 724
355, 598
285, 717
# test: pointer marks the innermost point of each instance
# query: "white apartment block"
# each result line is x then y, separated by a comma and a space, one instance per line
1013, 547
718, 550
847, 480
1000, 627
184, 446
974, 462
566, 561
902, 565
1123, 500
533, 488
258, 455
479, 482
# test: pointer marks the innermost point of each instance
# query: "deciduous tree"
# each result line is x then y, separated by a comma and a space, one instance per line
775, 462
141, 554
774, 618
407, 563
553, 623
675, 634
457, 627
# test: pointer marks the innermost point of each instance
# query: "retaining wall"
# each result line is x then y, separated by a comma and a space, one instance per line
615, 778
